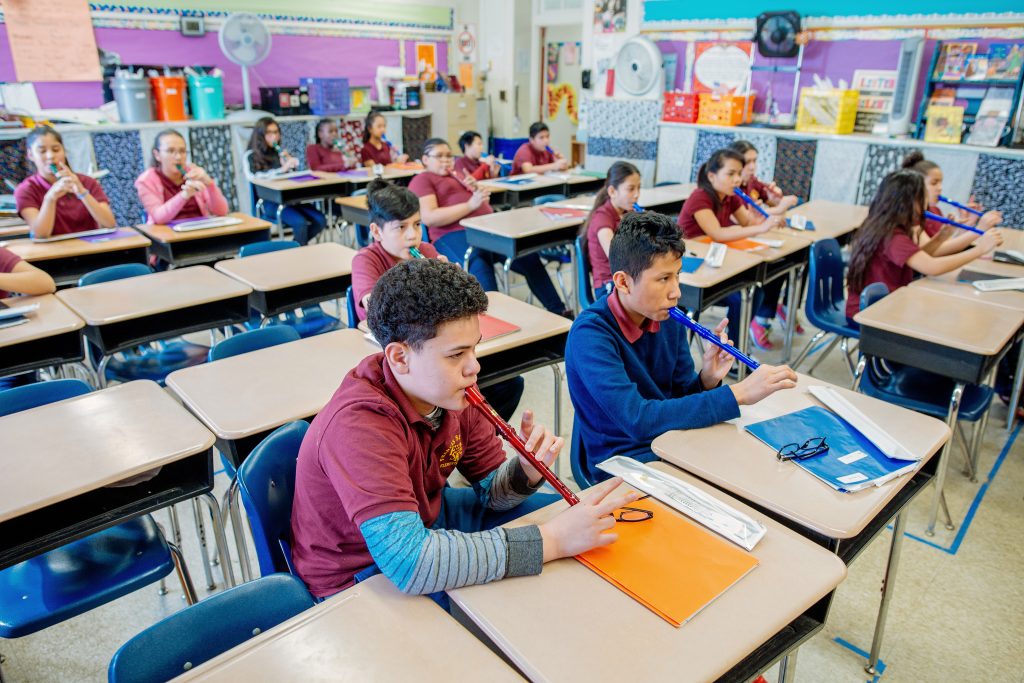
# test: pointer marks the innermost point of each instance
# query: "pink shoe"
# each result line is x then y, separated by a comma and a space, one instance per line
780, 311
759, 335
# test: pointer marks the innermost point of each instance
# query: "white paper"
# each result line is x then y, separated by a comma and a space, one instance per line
853, 478
852, 457
862, 423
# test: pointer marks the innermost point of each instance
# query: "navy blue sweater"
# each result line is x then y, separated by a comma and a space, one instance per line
626, 395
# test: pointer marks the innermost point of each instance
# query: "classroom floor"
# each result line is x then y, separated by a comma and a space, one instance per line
957, 613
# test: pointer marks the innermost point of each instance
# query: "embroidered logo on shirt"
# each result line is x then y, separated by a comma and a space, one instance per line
452, 453
754, 194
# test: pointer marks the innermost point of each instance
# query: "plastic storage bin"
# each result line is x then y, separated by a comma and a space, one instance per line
680, 107
827, 111
359, 99
327, 96
285, 100
134, 99
725, 110
206, 97
505, 148
169, 95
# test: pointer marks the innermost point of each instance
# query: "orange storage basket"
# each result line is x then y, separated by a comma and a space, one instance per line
169, 96
725, 110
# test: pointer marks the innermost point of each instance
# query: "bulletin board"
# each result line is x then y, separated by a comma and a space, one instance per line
52, 40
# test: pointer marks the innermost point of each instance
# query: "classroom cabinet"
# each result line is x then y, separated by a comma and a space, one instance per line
453, 114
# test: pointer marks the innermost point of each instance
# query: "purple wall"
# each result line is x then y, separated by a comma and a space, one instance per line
291, 57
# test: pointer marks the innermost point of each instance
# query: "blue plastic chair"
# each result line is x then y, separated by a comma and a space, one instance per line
362, 232
583, 282
578, 458
826, 303
84, 574
252, 341
350, 306
928, 393
313, 320
144, 362
199, 633
33, 395
266, 480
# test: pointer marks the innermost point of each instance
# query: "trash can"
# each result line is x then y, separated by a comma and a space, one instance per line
206, 97
134, 99
169, 95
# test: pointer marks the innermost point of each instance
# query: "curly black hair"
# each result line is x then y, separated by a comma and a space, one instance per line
642, 236
411, 300
388, 202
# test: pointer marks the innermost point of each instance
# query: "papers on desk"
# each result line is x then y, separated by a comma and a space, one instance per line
189, 224
1014, 256
490, 328
742, 245
10, 316
297, 177
798, 222
861, 422
768, 242
560, 213
74, 235
851, 463
1002, 284
522, 179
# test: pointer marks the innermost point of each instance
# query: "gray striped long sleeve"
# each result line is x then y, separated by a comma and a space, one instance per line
505, 487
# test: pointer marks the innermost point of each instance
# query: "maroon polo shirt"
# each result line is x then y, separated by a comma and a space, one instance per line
369, 264
526, 154
700, 200
320, 158
377, 156
448, 192
8, 259
888, 265
474, 167
756, 190
630, 330
369, 453
71, 215
604, 216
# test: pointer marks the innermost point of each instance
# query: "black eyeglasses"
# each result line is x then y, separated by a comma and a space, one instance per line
798, 451
629, 515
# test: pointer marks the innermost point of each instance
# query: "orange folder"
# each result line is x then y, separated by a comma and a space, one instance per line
669, 564
558, 213
742, 245
491, 327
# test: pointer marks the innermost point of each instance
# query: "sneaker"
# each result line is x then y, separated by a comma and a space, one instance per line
759, 336
780, 311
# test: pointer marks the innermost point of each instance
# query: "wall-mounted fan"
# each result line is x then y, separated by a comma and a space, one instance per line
245, 40
776, 32
639, 68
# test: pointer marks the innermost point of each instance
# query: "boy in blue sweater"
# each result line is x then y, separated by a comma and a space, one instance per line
632, 379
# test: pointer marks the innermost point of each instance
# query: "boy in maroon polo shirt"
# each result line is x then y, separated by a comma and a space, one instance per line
536, 155
370, 490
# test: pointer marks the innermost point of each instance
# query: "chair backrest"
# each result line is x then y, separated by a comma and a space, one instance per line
208, 628
266, 481
826, 292
872, 293
585, 295
253, 340
118, 272
426, 232
578, 458
663, 183
266, 246
39, 394
548, 198
350, 306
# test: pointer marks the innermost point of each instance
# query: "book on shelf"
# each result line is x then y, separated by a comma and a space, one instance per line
944, 124
977, 68
1005, 61
987, 130
952, 62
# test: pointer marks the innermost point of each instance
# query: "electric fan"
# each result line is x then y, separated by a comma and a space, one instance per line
776, 32
245, 40
638, 68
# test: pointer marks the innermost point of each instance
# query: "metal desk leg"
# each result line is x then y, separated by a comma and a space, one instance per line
887, 585
792, 303
574, 305
1018, 379
745, 313
277, 220
203, 552
557, 372
787, 667
222, 543
465, 259
940, 475
504, 281
231, 503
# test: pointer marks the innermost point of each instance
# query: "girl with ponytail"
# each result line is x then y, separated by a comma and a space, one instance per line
621, 190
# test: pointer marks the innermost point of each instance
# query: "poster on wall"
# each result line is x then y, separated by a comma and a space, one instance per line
721, 67
553, 50
465, 42
426, 60
609, 16
562, 92
40, 30
606, 48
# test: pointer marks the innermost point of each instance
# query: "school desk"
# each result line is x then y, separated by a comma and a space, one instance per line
292, 278
369, 632
519, 194
354, 210
728, 457
68, 260
788, 261
569, 624
580, 184
204, 246
51, 336
949, 285
832, 220
59, 461
956, 338
666, 199
398, 176
14, 230
122, 314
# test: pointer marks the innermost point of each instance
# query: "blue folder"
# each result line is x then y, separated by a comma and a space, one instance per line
691, 264
839, 466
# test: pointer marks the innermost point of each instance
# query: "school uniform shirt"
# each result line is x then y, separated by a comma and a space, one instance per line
449, 191
604, 216
163, 201
700, 200
377, 156
474, 167
631, 383
71, 214
888, 265
526, 154
320, 158
368, 455
8, 260
755, 189
370, 263
932, 226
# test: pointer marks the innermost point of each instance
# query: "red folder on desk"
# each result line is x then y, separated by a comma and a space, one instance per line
557, 213
742, 245
491, 327
670, 565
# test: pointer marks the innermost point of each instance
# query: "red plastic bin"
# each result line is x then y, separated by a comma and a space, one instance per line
169, 97
680, 107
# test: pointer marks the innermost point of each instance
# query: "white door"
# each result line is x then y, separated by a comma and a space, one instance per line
561, 79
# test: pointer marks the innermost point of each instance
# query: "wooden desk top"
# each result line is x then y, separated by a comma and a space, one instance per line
917, 312
729, 457
46, 251
164, 233
370, 632
666, 194
358, 202
58, 451
518, 223
534, 322
51, 319
136, 297
284, 184
831, 219
13, 231
390, 173
290, 267
569, 624
537, 182
734, 263
948, 285
1013, 239
790, 244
